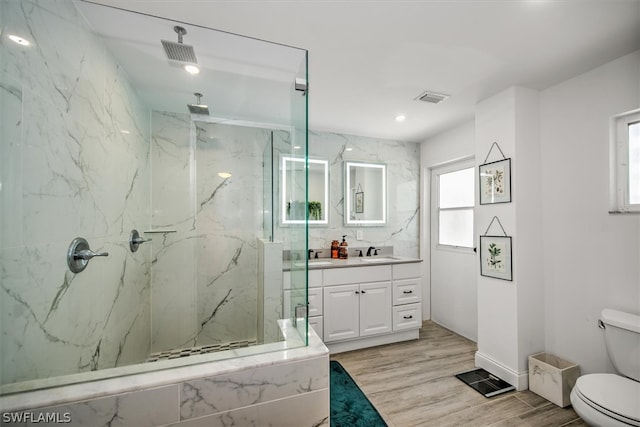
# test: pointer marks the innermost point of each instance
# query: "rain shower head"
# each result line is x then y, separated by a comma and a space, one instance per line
198, 108
179, 51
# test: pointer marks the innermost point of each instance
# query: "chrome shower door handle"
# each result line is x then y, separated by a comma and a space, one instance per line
79, 254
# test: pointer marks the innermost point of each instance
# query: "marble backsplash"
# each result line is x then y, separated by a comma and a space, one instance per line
403, 172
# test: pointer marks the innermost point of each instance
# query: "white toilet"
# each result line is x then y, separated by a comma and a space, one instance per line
611, 399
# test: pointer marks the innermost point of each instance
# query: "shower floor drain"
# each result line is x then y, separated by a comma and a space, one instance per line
185, 352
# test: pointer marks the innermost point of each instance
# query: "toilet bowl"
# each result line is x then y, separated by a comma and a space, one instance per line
607, 400
610, 400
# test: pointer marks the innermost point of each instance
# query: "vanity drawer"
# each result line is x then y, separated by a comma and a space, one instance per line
407, 316
406, 271
407, 291
341, 276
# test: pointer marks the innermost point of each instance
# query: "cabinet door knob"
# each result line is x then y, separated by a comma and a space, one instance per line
364, 292
407, 317
407, 292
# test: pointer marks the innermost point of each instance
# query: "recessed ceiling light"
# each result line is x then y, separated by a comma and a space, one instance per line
296, 147
348, 149
400, 118
126, 132
224, 175
19, 40
191, 69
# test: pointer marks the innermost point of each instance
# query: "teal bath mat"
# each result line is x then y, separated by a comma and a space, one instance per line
349, 406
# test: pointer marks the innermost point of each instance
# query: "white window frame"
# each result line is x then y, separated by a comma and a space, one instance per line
453, 167
619, 166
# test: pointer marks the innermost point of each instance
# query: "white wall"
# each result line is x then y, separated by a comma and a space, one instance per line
455, 144
510, 313
591, 258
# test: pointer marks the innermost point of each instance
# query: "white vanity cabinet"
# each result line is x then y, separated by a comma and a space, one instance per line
356, 310
407, 296
357, 302
362, 306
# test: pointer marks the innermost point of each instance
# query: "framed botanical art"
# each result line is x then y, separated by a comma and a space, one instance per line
495, 257
495, 182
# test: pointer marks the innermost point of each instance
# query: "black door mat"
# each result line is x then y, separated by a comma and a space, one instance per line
484, 383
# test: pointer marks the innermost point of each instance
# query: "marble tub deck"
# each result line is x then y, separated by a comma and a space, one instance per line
245, 391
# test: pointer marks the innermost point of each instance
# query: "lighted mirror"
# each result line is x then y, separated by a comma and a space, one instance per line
295, 207
365, 193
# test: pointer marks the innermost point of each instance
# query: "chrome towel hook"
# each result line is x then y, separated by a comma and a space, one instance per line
79, 254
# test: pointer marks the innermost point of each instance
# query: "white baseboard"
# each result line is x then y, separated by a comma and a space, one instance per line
520, 380
358, 343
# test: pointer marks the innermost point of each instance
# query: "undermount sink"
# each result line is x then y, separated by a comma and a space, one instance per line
379, 259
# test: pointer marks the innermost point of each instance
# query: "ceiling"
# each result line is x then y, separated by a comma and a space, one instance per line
369, 60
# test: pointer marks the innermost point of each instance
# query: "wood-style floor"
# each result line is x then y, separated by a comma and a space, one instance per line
413, 384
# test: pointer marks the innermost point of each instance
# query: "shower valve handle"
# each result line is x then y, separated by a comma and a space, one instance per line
87, 254
135, 240
79, 254
139, 240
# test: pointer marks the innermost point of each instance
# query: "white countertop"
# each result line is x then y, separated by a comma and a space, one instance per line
364, 261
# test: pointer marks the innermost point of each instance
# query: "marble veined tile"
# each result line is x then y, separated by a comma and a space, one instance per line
41, 339
305, 410
174, 292
10, 162
172, 195
403, 171
252, 386
146, 408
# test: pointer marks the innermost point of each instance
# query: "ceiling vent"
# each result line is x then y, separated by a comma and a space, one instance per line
432, 97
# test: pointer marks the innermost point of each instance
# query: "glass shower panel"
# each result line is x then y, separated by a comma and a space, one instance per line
269, 191
104, 136
299, 233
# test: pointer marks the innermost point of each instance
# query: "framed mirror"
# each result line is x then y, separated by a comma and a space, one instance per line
365, 193
293, 207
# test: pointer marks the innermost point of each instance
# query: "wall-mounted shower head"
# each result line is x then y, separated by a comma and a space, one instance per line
179, 51
198, 108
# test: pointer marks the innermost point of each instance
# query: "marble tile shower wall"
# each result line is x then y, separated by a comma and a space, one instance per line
403, 171
68, 170
212, 255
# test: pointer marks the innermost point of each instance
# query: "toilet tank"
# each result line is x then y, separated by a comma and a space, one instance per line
622, 338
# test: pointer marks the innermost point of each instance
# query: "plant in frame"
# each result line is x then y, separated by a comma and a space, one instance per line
494, 181
495, 261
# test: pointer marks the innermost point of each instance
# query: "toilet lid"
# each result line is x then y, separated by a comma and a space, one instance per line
614, 394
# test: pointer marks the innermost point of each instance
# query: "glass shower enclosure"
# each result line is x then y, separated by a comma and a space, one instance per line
139, 187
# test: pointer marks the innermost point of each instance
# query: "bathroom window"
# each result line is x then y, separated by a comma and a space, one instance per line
626, 162
455, 207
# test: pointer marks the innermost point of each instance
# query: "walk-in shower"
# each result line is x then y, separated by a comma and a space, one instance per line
97, 145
